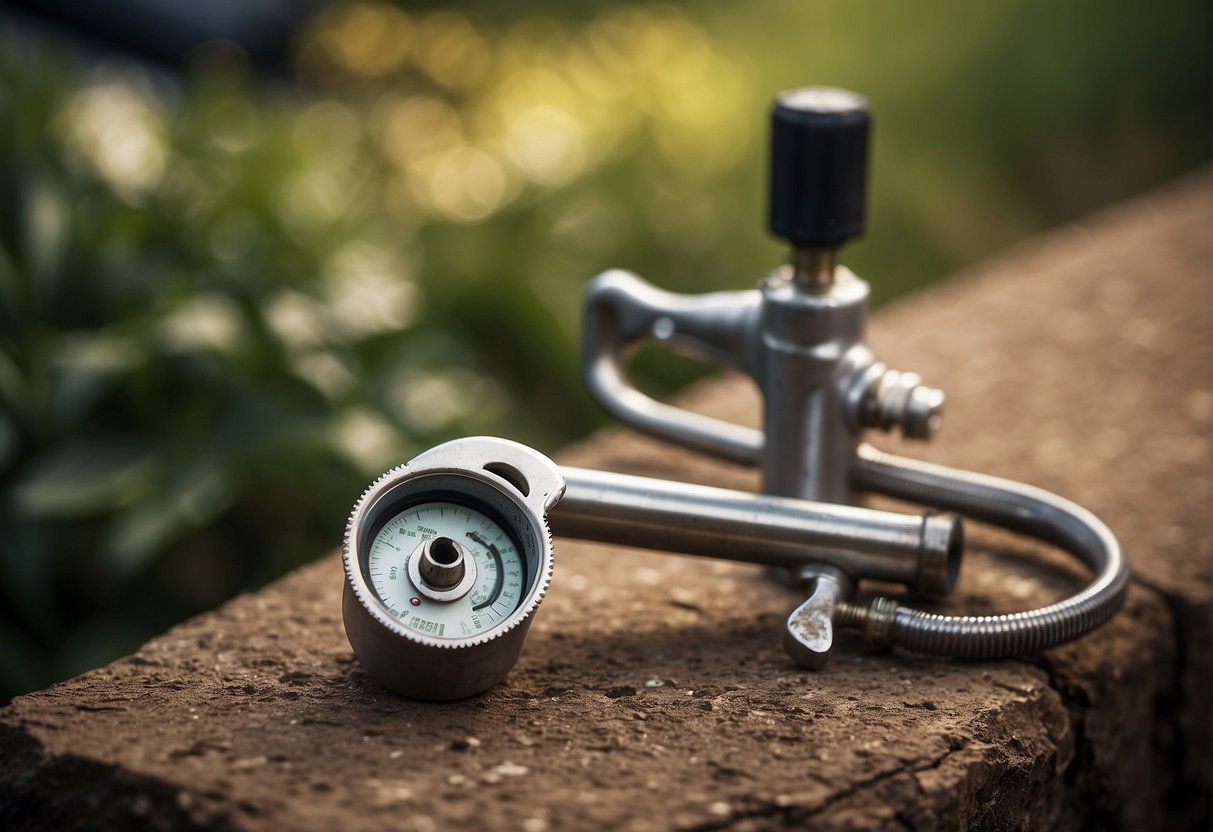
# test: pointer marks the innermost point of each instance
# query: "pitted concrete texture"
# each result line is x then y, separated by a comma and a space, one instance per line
653, 692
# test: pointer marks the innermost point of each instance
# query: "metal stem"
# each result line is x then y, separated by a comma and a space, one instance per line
813, 268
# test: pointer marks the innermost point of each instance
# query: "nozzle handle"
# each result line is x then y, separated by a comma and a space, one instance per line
819, 166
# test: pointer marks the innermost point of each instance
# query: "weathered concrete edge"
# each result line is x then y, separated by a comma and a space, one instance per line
977, 782
1069, 776
973, 781
1189, 718
1184, 714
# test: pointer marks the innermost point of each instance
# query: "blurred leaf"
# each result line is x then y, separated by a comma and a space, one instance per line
143, 531
273, 422
85, 368
14, 391
84, 477
46, 214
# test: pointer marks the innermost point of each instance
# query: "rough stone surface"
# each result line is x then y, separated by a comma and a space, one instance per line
653, 692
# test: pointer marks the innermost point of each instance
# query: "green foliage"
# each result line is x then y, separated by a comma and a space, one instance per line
224, 307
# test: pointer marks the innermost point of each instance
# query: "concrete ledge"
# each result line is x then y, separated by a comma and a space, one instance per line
645, 700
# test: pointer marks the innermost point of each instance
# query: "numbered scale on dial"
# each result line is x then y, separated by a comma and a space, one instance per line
480, 559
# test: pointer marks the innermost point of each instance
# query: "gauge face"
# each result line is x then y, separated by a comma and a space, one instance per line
500, 571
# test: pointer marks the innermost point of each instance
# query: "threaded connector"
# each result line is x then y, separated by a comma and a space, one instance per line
875, 620
890, 398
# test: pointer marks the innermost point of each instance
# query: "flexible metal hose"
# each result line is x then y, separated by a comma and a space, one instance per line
1012, 506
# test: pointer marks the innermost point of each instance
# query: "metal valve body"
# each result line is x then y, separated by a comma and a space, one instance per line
800, 335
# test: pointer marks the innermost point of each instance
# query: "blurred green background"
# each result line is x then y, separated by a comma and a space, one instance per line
229, 300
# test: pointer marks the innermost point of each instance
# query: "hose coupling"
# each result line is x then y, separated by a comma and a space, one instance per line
875, 620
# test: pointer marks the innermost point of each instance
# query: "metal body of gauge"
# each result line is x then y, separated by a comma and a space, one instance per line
446, 559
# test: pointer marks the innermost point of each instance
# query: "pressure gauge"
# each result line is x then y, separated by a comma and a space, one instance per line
446, 560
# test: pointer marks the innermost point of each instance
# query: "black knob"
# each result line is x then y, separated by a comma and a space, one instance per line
819, 166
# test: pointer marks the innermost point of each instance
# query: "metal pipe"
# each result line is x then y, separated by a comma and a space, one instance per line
921, 552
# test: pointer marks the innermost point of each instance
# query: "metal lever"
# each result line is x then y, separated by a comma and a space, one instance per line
621, 311
808, 636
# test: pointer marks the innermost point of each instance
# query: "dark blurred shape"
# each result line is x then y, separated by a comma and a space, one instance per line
168, 31
819, 166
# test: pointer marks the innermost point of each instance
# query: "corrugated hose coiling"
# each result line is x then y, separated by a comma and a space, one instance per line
1016, 507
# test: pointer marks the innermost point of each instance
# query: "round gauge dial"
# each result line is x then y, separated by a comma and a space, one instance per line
446, 559
459, 536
